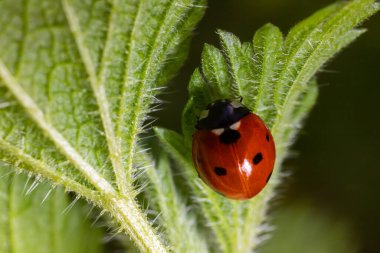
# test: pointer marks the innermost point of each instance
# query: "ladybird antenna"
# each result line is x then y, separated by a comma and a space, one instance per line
210, 87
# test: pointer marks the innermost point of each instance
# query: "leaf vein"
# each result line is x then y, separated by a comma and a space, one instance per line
24, 32
62, 144
100, 95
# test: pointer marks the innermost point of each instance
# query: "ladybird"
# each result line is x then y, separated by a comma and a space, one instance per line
233, 150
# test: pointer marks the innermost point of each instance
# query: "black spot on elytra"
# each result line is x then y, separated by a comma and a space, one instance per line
257, 159
229, 136
267, 137
220, 171
270, 174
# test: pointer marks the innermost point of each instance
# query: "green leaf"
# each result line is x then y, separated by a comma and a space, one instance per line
267, 44
77, 79
37, 218
241, 66
305, 54
215, 71
275, 77
174, 215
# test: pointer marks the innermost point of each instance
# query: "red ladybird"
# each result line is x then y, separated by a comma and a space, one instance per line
233, 150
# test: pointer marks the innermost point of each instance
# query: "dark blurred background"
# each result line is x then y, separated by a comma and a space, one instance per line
337, 163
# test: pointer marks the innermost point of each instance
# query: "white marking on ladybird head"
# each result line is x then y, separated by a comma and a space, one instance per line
218, 131
204, 114
235, 126
247, 168
236, 104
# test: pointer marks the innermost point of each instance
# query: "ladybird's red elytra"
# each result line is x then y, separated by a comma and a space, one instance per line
233, 150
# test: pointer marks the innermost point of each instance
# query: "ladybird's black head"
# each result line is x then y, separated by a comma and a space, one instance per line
221, 114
